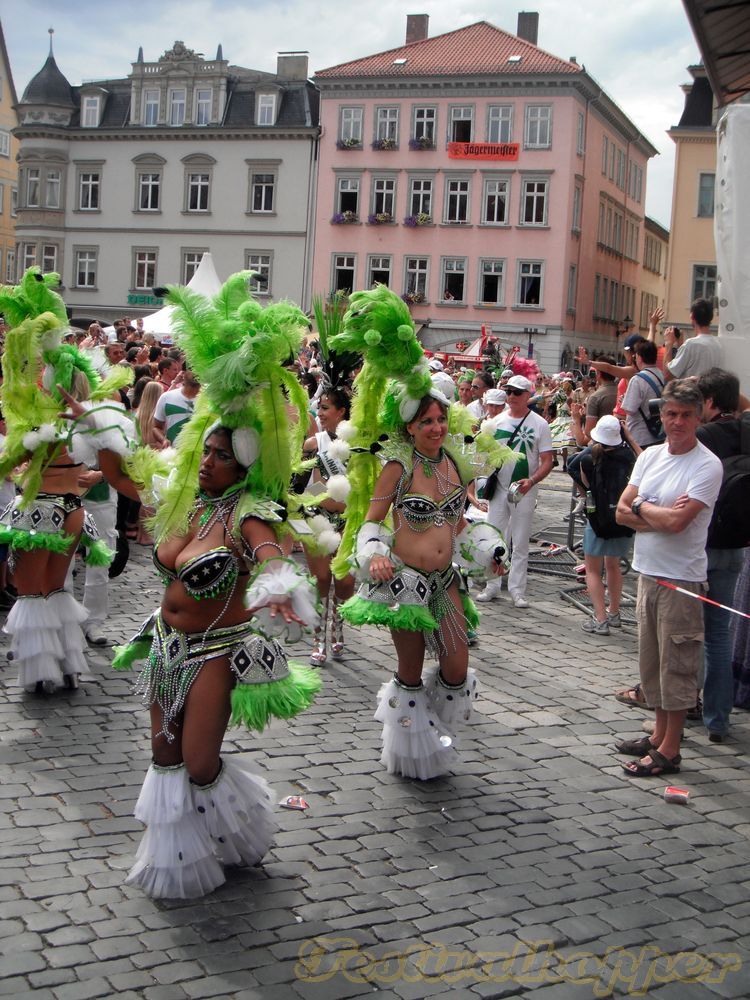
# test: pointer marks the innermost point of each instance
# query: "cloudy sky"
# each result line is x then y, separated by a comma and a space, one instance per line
637, 51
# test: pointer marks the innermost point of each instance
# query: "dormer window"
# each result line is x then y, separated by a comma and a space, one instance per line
150, 107
203, 101
90, 111
177, 107
266, 113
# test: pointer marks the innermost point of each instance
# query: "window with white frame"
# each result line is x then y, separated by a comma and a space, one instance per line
347, 195
88, 190
378, 271
86, 261
10, 266
384, 196
386, 125
343, 273
417, 272
14, 202
144, 270
706, 195
198, 187
52, 184
530, 277
351, 126
457, 200
266, 114
424, 125
203, 102
151, 107
492, 282
262, 192
420, 196
597, 293
4, 142
495, 201
49, 258
191, 261
704, 282
461, 124
612, 158
177, 106
581, 134
534, 202
29, 255
500, 123
538, 126
572, 288
614, 300
90, 112
605, 154
621, 168
149, 184
32, 187
453, 279
2, 198
260, 263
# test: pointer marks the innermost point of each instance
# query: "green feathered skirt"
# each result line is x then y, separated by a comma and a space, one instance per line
268, 686
41, 526
415, 601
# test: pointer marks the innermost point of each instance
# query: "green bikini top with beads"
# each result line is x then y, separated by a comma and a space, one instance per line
207, 575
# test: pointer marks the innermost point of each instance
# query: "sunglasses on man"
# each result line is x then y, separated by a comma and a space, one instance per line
516, 392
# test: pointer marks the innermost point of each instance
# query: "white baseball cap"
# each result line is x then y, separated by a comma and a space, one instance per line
495, 397
519, 382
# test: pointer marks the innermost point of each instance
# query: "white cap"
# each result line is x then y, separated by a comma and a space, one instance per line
607, 431
507, 373
445, 384
519, 382
435, 365
495, 397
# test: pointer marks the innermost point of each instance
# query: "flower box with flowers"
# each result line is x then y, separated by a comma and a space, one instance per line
413, 298
349, 144
421, 142
384, 144
379, 218
344, 218
421, 219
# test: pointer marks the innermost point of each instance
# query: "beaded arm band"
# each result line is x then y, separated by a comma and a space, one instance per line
272, 545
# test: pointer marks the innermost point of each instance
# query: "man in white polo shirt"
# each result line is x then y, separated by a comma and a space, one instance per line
528, 434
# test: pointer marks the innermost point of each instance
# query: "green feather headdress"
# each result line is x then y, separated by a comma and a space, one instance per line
236, 348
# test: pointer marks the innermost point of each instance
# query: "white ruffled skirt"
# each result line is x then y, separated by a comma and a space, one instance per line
419, 724
193, 830
47, 640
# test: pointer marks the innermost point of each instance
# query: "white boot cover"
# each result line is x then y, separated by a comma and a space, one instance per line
237, 812
175, 859
415, 743
71, 616
453, 704
34, 627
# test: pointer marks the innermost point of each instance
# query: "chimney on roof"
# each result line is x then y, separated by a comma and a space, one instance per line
417, 26
291, 65
528, 25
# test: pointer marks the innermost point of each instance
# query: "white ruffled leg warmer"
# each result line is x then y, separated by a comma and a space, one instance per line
415, 743
70, 615
175, 859
452, 703
36, 641
192, 830
236, 811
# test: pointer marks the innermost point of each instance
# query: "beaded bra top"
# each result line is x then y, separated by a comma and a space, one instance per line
206, 575
421, 511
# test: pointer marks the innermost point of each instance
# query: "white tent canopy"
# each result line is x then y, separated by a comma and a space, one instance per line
205, 281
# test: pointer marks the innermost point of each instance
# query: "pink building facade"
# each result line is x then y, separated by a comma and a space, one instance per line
489, 183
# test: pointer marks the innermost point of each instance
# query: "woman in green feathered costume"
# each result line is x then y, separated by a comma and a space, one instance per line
406, 529
212, 651
45, 523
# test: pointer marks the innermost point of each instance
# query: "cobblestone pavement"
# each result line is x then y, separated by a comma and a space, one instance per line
537, 867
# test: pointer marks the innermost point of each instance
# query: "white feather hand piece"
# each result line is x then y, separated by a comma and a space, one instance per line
275, 582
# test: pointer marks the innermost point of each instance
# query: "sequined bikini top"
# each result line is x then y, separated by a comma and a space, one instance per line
207, 575
421, 511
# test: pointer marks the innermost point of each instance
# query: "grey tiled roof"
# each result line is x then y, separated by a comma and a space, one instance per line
49, 86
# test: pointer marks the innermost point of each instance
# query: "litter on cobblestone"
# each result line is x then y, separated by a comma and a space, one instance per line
445, 813
294, 802
674, 794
